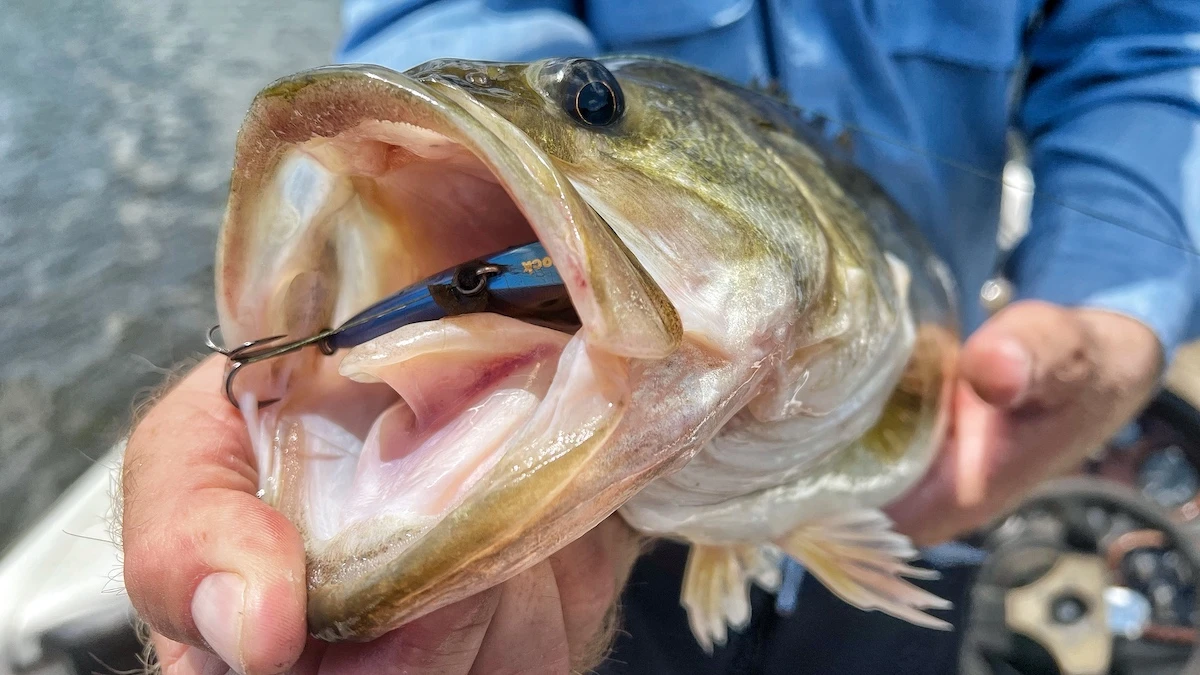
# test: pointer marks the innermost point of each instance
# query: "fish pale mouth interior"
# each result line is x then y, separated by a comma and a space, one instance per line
381, 442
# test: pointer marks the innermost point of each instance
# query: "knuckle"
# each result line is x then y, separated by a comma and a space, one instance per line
1074, 367
150, 562
1077, 362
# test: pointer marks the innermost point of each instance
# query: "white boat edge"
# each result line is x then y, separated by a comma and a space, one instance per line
63, 577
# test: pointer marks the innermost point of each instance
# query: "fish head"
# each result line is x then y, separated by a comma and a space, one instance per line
445, 457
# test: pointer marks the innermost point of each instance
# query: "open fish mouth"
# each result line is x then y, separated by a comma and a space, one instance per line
412, 462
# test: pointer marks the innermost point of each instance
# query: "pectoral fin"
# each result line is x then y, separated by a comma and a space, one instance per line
716, 587
858, 557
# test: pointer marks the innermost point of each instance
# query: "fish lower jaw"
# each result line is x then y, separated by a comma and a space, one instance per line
473, 439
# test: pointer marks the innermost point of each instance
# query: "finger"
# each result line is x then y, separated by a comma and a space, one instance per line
957, 487
205, 562
309, 662
1088, 372
526, 635
1031, 354
443, 642
1011, 434
179, 659
977, 432
995, 457
590, 573
986, 473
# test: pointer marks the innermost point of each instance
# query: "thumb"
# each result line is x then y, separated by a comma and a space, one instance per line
206, 562
1031, 355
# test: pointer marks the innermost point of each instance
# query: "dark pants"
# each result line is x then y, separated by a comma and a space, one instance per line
824, 636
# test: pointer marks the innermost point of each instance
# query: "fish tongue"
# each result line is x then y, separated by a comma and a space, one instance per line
439, 367
425, 474
467, 385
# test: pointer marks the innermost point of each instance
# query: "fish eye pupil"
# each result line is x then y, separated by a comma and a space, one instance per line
596, 104
592, 95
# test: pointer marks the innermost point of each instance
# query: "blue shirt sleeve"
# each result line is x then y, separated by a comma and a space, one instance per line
400, 34
1112, 116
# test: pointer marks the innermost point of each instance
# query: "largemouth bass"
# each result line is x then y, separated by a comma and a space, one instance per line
762, 357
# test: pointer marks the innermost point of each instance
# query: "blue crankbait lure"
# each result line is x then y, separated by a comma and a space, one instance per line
519, 282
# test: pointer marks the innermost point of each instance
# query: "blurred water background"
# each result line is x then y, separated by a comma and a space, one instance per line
117, 124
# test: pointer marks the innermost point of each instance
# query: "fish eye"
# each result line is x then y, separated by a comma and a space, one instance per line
591, 95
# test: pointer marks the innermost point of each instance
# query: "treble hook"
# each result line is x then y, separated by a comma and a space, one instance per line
246, 354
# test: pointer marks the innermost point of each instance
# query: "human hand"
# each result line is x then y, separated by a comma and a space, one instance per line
1040, 387
212, 569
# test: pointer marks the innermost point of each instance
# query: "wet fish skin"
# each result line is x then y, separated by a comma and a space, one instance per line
765, 356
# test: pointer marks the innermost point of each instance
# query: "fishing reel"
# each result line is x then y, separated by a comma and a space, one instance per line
1098, 573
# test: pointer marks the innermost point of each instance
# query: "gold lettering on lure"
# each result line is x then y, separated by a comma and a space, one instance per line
536, 264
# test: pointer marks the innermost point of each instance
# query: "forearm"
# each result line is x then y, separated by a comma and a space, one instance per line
1103, 234
1114, 129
